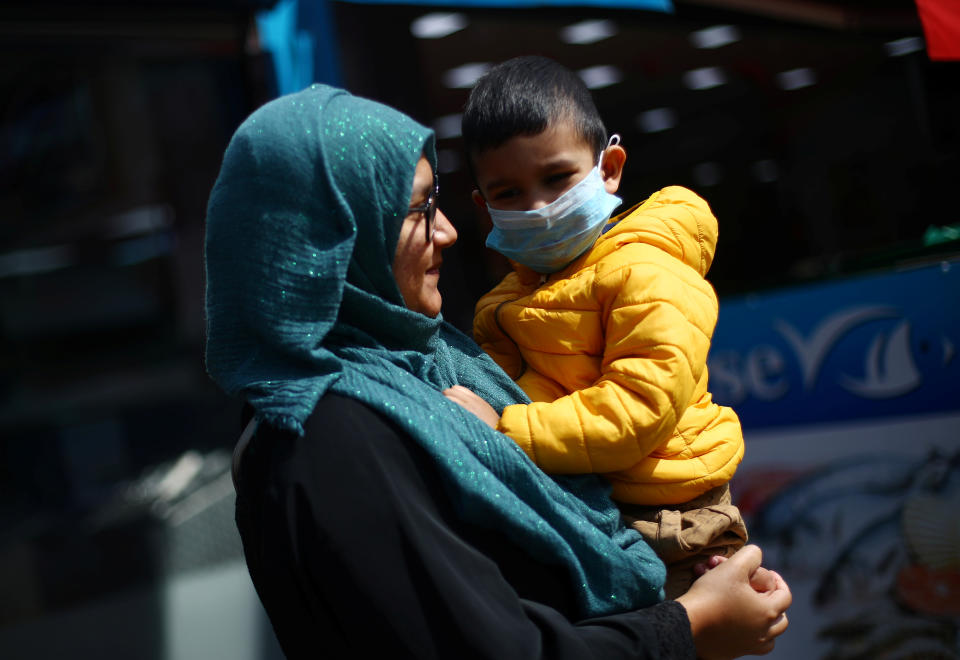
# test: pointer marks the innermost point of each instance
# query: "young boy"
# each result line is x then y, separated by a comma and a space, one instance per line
605, 323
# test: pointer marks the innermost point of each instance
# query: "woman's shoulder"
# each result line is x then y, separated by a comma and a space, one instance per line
339, 410
342, 436
352, 429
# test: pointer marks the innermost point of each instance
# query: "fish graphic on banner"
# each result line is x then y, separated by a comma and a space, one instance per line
870, 346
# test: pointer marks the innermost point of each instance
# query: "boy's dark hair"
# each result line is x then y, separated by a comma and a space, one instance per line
522, 96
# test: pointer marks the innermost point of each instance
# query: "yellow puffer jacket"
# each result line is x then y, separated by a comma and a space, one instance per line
612, 351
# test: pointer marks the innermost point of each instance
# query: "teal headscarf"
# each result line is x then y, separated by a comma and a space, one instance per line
302, 225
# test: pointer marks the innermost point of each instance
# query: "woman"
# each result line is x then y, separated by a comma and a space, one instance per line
376, 515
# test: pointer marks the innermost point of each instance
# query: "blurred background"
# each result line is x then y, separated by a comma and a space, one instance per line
825, 134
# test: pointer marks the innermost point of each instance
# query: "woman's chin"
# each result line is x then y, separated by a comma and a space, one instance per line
434, 305
428, 304
434, 310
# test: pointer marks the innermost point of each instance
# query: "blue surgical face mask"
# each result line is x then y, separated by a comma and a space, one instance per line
549, 238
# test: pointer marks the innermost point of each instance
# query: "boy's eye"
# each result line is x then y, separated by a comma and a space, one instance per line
559, 177
507, 193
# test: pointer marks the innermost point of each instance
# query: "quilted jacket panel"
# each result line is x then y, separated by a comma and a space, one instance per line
613, 352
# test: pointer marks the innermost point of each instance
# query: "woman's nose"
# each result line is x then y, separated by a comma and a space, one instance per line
445, 234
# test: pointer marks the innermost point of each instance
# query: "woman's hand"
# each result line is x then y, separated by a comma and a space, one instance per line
737, 607
762, 580
467, 399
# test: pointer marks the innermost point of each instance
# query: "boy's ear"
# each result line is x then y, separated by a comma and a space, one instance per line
486, 222
478, 200
611, 167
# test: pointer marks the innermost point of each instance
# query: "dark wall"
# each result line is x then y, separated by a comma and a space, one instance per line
807, 183
113, 123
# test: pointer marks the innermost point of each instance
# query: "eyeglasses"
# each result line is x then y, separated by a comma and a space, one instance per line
429, 210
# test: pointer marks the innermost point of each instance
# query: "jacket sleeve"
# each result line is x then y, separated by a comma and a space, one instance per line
659, 314
354, 551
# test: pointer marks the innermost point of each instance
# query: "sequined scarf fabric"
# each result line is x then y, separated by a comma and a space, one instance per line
302, 225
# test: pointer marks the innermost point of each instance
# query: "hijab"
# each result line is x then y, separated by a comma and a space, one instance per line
302, 225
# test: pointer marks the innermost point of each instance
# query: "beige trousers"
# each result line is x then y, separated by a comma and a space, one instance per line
689, 533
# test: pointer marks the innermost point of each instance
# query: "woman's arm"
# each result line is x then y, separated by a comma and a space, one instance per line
355, 550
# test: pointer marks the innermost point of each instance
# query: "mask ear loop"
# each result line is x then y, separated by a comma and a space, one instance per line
613, 141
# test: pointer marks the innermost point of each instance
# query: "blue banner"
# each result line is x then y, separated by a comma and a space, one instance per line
865, 347
653, 5
301, 39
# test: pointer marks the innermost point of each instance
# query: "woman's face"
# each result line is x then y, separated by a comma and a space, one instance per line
416, 263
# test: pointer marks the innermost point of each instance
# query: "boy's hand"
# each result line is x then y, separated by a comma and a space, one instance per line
467, 399
712, 562
762, 580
